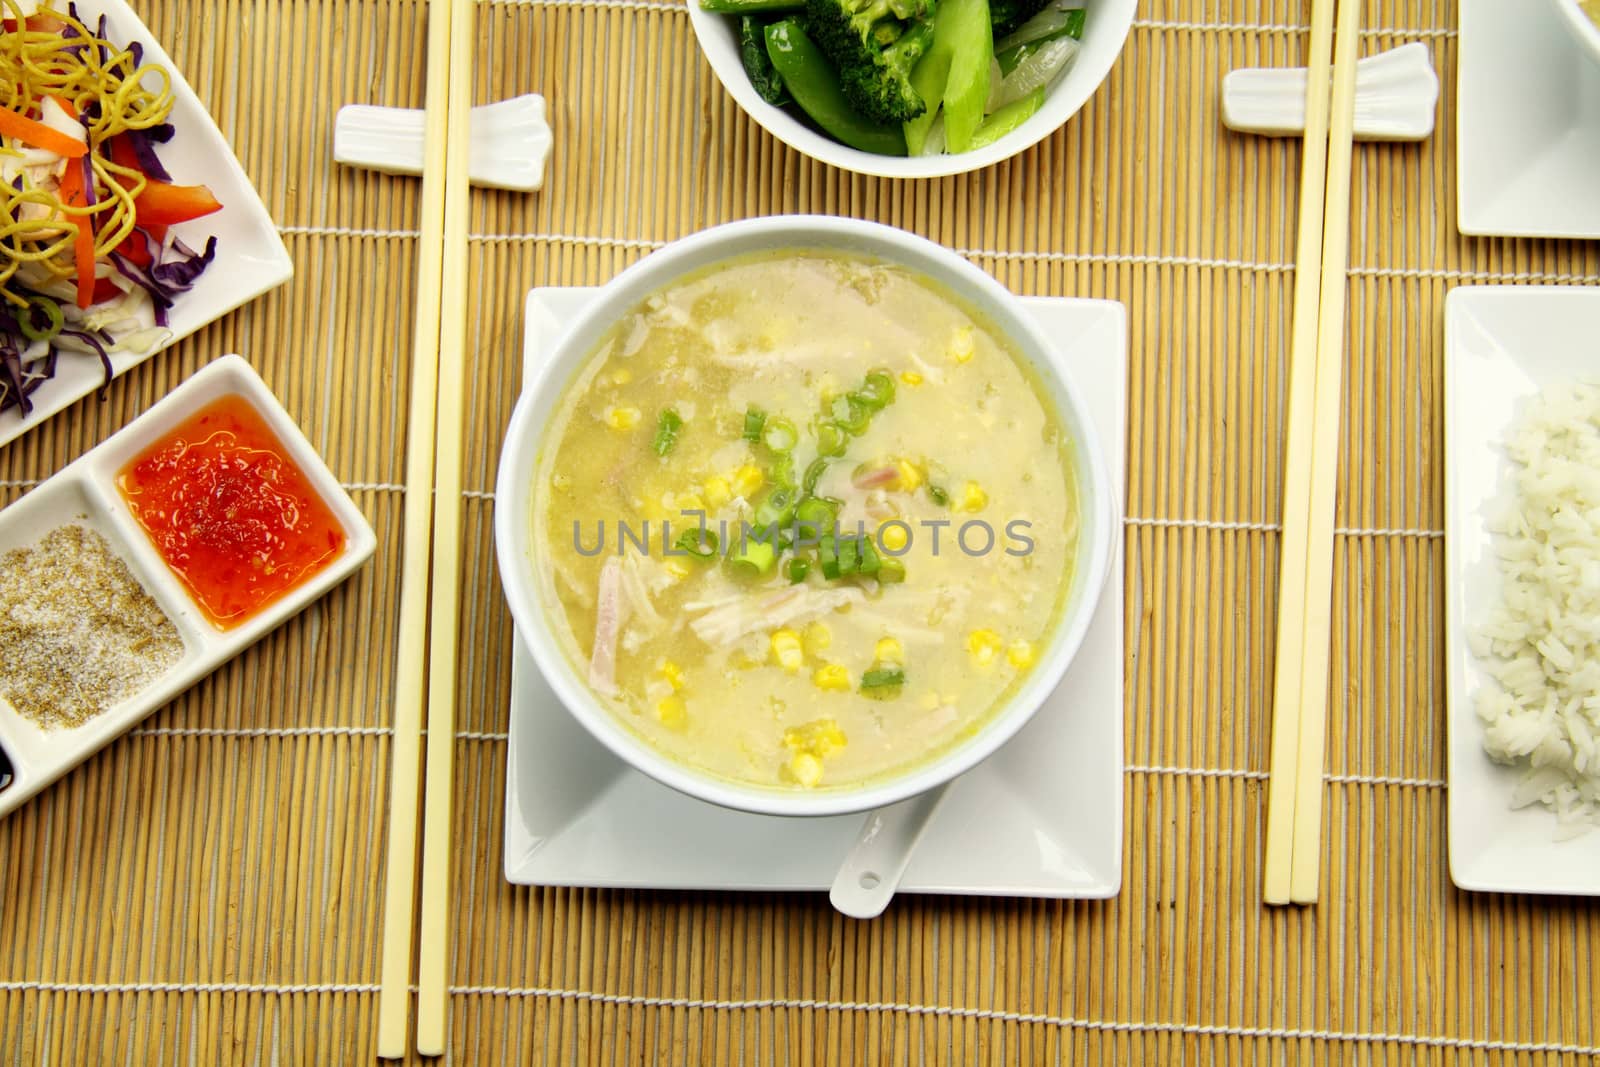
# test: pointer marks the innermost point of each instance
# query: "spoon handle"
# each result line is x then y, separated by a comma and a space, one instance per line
872, 870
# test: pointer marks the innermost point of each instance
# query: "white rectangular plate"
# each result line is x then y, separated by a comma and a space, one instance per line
251, 258
1527, 123
85, 492
1503, 344
1040, 818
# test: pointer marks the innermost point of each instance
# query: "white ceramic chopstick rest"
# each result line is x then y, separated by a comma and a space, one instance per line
510, 141
1397, 93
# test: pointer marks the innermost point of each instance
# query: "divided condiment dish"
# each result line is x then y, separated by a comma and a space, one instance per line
85, 493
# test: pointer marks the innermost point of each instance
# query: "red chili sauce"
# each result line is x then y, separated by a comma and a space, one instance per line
230, 512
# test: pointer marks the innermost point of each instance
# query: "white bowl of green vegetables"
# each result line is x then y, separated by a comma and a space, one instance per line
911, 88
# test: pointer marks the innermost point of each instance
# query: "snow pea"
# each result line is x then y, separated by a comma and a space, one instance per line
814, 84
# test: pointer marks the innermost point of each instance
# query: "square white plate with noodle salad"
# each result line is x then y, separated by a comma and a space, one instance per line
164, 261
1513, 353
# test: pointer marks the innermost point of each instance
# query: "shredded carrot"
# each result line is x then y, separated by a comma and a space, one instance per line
72, 195
39, 135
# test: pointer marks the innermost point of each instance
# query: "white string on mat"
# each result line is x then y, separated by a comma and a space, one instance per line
1283, 27
1261, 776
855, 1007
260, 731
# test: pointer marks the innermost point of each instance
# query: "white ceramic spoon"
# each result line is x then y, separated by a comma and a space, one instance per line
872, 870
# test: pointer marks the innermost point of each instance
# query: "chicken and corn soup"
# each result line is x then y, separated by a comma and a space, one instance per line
807, 521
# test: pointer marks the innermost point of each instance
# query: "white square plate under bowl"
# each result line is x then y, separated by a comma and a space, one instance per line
1042, 817
250, 260
1503, 344
85, 493
1527, 123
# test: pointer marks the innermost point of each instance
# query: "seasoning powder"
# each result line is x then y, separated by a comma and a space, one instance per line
78, 634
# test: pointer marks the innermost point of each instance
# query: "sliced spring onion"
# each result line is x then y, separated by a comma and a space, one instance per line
938, 495
1057, 18
828, 557
813, 474
668, 423
781, 471
870, 561
797, 569
776, 510
890, 570
754, 420
28, 320
849, 555
883, 678
1038, 69
754, 559
831, 439
852, 415
877, 392
699, 543
780, 435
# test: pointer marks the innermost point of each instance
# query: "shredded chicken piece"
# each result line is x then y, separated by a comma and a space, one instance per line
610, 611
796, 603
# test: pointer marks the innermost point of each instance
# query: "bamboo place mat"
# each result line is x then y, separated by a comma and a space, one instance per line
207, 890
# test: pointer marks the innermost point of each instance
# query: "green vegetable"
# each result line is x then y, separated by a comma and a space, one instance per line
818, 510
877, 392
883, 678
870, 561
667, 426
849, 555
814, 84
874, 44
776, 510
754, 420
814, 474
757, 64
780, 435
828, 557
831, 439
851, 414
928, 78
1052, 20
28, 320
963, 27
702, 544
781, 471
754, 559
750, 7
1008, 118
938, 495
891, 570
797, 570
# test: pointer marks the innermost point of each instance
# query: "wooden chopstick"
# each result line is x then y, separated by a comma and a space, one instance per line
1317, 627
1297, 464
394, 994
433, 958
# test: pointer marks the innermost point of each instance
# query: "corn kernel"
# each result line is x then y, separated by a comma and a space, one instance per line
622, 418
690, 502
787, 651
673, 713
910, 377
671, 672
910, 475
817, 637
1021, 654
984, 645
961, 347
621, 376
973, 498
807, 769
818, 737
717, 492
747, 480
889, 650
831, 676
678, 569
894, 536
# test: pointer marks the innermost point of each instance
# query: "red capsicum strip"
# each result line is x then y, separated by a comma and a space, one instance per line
162, 204
71, 193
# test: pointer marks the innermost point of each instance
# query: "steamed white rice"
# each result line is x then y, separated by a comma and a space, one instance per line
1541, 644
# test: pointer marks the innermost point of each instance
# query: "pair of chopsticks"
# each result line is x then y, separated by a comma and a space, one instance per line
429, 608
1316, 365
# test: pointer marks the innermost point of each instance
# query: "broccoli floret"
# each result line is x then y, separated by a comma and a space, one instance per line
1006, 15
874, 44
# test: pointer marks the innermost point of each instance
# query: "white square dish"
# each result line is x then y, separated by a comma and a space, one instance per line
1527, 124
1040, 818
85, 493
1503, 344
251, 258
